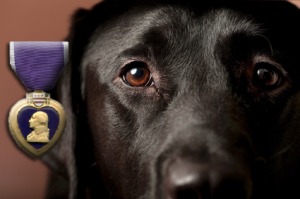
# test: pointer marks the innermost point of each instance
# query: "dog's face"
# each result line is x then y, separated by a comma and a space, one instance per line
187, 100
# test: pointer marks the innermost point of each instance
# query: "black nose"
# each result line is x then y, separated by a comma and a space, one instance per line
189, 180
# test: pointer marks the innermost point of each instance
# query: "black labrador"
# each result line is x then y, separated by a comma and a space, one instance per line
173, 99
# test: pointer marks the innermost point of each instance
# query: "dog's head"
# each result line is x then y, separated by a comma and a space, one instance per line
179, 99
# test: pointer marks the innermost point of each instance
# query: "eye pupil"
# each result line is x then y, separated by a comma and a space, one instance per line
137, 74
267, 76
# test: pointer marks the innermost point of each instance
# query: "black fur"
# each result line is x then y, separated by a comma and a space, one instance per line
206, 115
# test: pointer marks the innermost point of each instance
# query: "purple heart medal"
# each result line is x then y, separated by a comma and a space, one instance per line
37, 122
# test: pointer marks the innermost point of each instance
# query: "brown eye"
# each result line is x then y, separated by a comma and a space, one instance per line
137, 74
266, 75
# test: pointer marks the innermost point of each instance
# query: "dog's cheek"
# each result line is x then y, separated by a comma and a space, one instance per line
286, 157
112, 128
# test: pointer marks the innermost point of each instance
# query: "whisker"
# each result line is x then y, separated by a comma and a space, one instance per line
281, 152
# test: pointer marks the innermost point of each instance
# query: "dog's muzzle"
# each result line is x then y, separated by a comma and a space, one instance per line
188, 179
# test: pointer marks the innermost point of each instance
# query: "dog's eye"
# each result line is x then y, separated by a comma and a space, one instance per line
137, 74
266, 75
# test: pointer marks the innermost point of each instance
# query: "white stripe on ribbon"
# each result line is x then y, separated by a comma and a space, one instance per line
12, 55
66, 52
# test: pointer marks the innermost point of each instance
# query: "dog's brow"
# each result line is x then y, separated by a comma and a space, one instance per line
138, 51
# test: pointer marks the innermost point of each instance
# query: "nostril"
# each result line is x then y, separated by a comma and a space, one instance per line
189, 180
189, 193
232, 186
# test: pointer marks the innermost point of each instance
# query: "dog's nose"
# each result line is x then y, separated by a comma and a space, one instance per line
189, 180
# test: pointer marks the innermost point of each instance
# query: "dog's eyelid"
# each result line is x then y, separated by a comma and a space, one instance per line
261, 59
127, 64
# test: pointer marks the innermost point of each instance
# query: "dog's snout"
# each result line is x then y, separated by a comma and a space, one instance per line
185, 180
190, 180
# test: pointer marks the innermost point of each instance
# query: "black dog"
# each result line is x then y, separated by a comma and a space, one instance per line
170, 99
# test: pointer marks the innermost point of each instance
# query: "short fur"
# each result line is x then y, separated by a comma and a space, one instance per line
204, 116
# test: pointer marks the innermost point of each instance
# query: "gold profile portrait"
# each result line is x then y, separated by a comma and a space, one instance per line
39, 123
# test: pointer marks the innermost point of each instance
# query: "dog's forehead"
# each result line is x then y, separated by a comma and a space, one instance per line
178, 35
166, 33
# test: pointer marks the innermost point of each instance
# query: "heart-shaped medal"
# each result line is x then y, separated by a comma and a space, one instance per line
36, 126
37, 122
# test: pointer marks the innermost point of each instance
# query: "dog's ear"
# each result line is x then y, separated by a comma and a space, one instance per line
76, 140
61, 158
286, 36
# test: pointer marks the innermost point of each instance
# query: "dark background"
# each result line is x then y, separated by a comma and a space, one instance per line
27, 20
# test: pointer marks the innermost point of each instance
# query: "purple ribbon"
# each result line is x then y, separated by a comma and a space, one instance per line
38, 64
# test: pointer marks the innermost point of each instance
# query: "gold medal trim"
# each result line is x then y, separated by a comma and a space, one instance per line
17, 134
